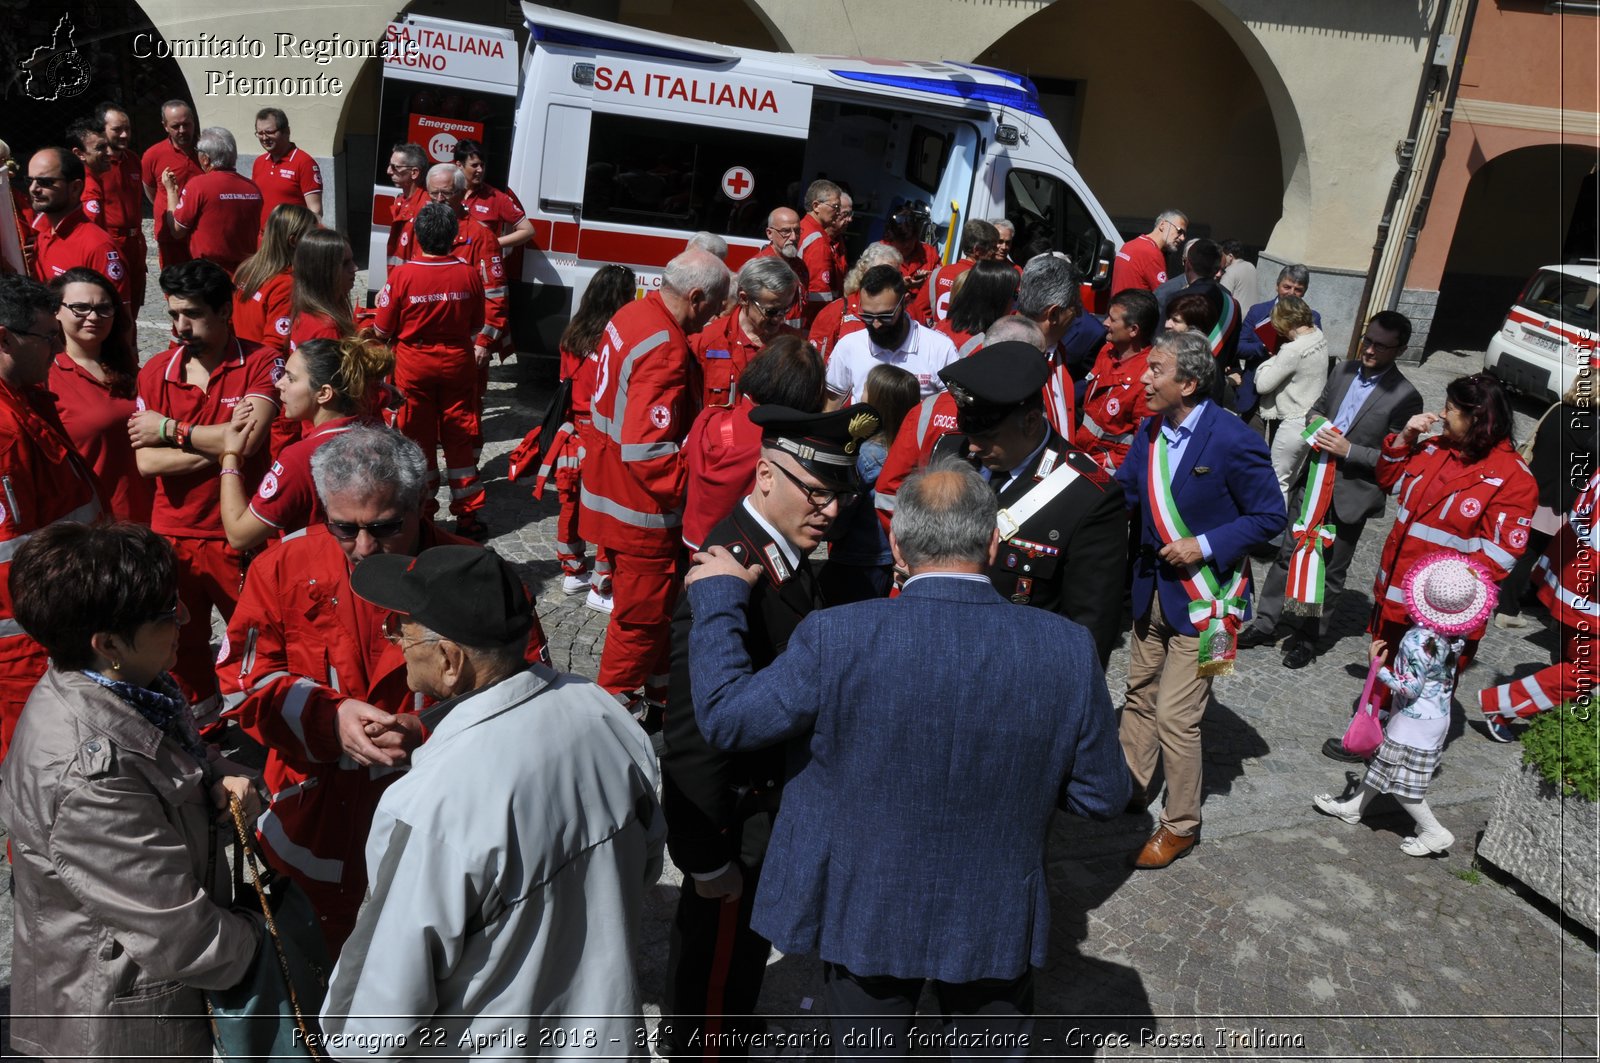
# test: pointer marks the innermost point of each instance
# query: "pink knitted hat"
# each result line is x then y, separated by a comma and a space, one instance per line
1449, 593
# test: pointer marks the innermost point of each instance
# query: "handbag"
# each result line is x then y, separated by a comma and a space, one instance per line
272, 1012
1365, 734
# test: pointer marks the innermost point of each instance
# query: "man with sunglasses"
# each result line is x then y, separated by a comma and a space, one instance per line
1365, 400
309, 670
44, 480
890, 336
720, 805
766, 290
406, 163
65, 238
1142, 261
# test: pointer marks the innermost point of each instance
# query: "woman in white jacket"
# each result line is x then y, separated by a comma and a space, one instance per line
1289, 382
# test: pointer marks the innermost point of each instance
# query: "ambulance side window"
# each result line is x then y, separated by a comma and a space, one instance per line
675, 175
1040, 204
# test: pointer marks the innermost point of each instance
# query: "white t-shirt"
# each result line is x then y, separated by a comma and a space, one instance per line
922, 354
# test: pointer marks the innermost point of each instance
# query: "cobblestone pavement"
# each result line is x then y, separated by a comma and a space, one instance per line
1285, 934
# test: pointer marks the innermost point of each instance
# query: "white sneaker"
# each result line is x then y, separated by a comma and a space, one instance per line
1337, 809
1428, 844
1506, 620
599, 601
575, 584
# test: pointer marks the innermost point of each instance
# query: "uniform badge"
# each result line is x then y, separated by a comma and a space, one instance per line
497, 267
383, 296
278, 369
1054, 535
1471, 507
1023, 592
1113, 406
281, 326
224, 649
776, 560
1518, 537
269, 485
862, 427
2, 513
1011, 561
660, 416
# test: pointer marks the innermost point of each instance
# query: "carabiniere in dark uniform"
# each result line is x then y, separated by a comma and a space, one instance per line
1063, 527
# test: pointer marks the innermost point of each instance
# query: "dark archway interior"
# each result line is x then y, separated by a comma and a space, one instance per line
1527, 208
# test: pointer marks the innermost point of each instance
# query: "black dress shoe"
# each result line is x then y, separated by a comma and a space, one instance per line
1255, 635
1334, 749
1299, 652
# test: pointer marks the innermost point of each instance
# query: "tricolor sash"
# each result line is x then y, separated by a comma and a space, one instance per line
1304, 593
1219, 332
1216, 606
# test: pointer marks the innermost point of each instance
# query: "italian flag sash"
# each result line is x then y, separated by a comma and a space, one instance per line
1219, 332
1312, 535
1216, 609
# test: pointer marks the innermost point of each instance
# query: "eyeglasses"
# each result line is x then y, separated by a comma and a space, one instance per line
346, 530
83, 310
771, 313
393, 631
1368, 341
784, 230
45, 182
260, 133
882, 319
169, 616
819, 497
52, 337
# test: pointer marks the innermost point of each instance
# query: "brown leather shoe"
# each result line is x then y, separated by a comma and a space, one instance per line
1163, 848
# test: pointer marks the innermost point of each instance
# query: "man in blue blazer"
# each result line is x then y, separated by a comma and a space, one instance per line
938, 731
1292, 280
1203, 491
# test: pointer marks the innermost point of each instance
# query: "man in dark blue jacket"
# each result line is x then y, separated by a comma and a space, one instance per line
937, 733
1252, 351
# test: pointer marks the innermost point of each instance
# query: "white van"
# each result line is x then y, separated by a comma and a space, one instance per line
1549, 332
620, 143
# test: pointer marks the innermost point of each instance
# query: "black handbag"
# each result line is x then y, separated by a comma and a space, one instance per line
272, 1012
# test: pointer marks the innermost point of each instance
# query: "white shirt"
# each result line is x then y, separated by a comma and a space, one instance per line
922, 354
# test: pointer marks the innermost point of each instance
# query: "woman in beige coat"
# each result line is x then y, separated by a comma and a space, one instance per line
112, 805
1288, 383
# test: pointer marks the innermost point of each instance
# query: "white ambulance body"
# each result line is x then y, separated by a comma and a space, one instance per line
623, 143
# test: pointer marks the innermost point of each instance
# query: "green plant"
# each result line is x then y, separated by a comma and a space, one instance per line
1469, 875
1563, 745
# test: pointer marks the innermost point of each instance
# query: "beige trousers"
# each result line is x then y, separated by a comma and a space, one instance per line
1160, 717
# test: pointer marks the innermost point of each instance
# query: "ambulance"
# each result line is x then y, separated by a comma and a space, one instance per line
620, 143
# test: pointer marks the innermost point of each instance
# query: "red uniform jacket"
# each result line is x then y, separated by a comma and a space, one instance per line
76, 242
722, 449
816, 251
1482, 510
941, 287
1113, 405
924, 258
267, 316
634, 475
836, 321
404, 209
721, 351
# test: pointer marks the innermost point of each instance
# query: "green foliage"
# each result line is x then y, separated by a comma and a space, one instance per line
1564, 746
1469, 875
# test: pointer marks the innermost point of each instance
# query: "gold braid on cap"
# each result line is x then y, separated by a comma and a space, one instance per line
863, 426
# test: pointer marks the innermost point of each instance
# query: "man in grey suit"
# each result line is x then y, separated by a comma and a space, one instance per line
1365, 399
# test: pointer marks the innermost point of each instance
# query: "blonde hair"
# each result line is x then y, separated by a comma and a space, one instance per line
1290, 312
878, 254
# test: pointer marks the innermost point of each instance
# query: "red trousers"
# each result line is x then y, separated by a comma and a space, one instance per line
571, 549
210, 573
1575, 675
442, 409
22, 663
644, 593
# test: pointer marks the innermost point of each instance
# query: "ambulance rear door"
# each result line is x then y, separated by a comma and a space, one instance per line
443, 82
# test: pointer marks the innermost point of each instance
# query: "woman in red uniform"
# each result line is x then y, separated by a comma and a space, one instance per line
983, 295
1464, 489
264, 283
93, 380
612, 288
324, 273
327, 386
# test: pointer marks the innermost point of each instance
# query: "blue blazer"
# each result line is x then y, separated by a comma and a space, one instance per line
1225, 490
944, 726
1252, 352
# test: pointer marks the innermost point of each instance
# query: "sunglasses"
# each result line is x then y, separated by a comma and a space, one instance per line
346, 530
771, 313
881, 319
819, 497
45, 182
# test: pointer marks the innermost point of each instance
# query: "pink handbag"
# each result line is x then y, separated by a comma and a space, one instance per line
1365, 734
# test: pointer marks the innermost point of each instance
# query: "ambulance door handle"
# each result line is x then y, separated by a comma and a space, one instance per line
560, 206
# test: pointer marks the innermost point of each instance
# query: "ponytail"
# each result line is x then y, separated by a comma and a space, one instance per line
352, 367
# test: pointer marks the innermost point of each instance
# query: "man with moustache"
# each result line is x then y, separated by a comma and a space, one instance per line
112, 198
175, 155
783, 243
720, 805
890, 336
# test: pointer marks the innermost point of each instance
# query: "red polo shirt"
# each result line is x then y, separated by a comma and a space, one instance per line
75, 242
431, 307
266, 316
312, 327
404, 209
286, 180
721, 352
185, 166
287, 499
222, 212
1140, 264
499, 210
189, 505
97, 423
113, 200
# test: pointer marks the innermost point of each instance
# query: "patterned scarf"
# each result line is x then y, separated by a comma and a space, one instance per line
163, 705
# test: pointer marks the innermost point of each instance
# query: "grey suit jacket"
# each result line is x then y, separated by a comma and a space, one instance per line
1393, 402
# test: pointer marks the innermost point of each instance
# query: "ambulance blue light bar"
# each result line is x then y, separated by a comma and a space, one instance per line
1016, 98
577, 39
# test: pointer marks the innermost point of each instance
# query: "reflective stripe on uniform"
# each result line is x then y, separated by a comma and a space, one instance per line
617, 511
971, 345
619, 409
294, 707
82, 515
924, 418
883, 502
308, 863
1477, 544
646, 451
1101, 434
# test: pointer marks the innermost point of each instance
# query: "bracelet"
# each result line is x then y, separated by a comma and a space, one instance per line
166, 422
230, 454
230, 472
182, 434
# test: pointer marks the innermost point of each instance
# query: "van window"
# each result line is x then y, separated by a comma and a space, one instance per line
1040, 204
1563, 297
668, 175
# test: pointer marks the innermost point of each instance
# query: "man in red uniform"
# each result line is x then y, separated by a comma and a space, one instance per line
175, 155
187, 395
283, 172
783, 243
1114, 402
824, 201
766, 292
44, 480
308, 671
1142, 261
116, 198
219, 212
634, 477
64, 237
978, 241
431, 309
406, 164
918, 259
477, 247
